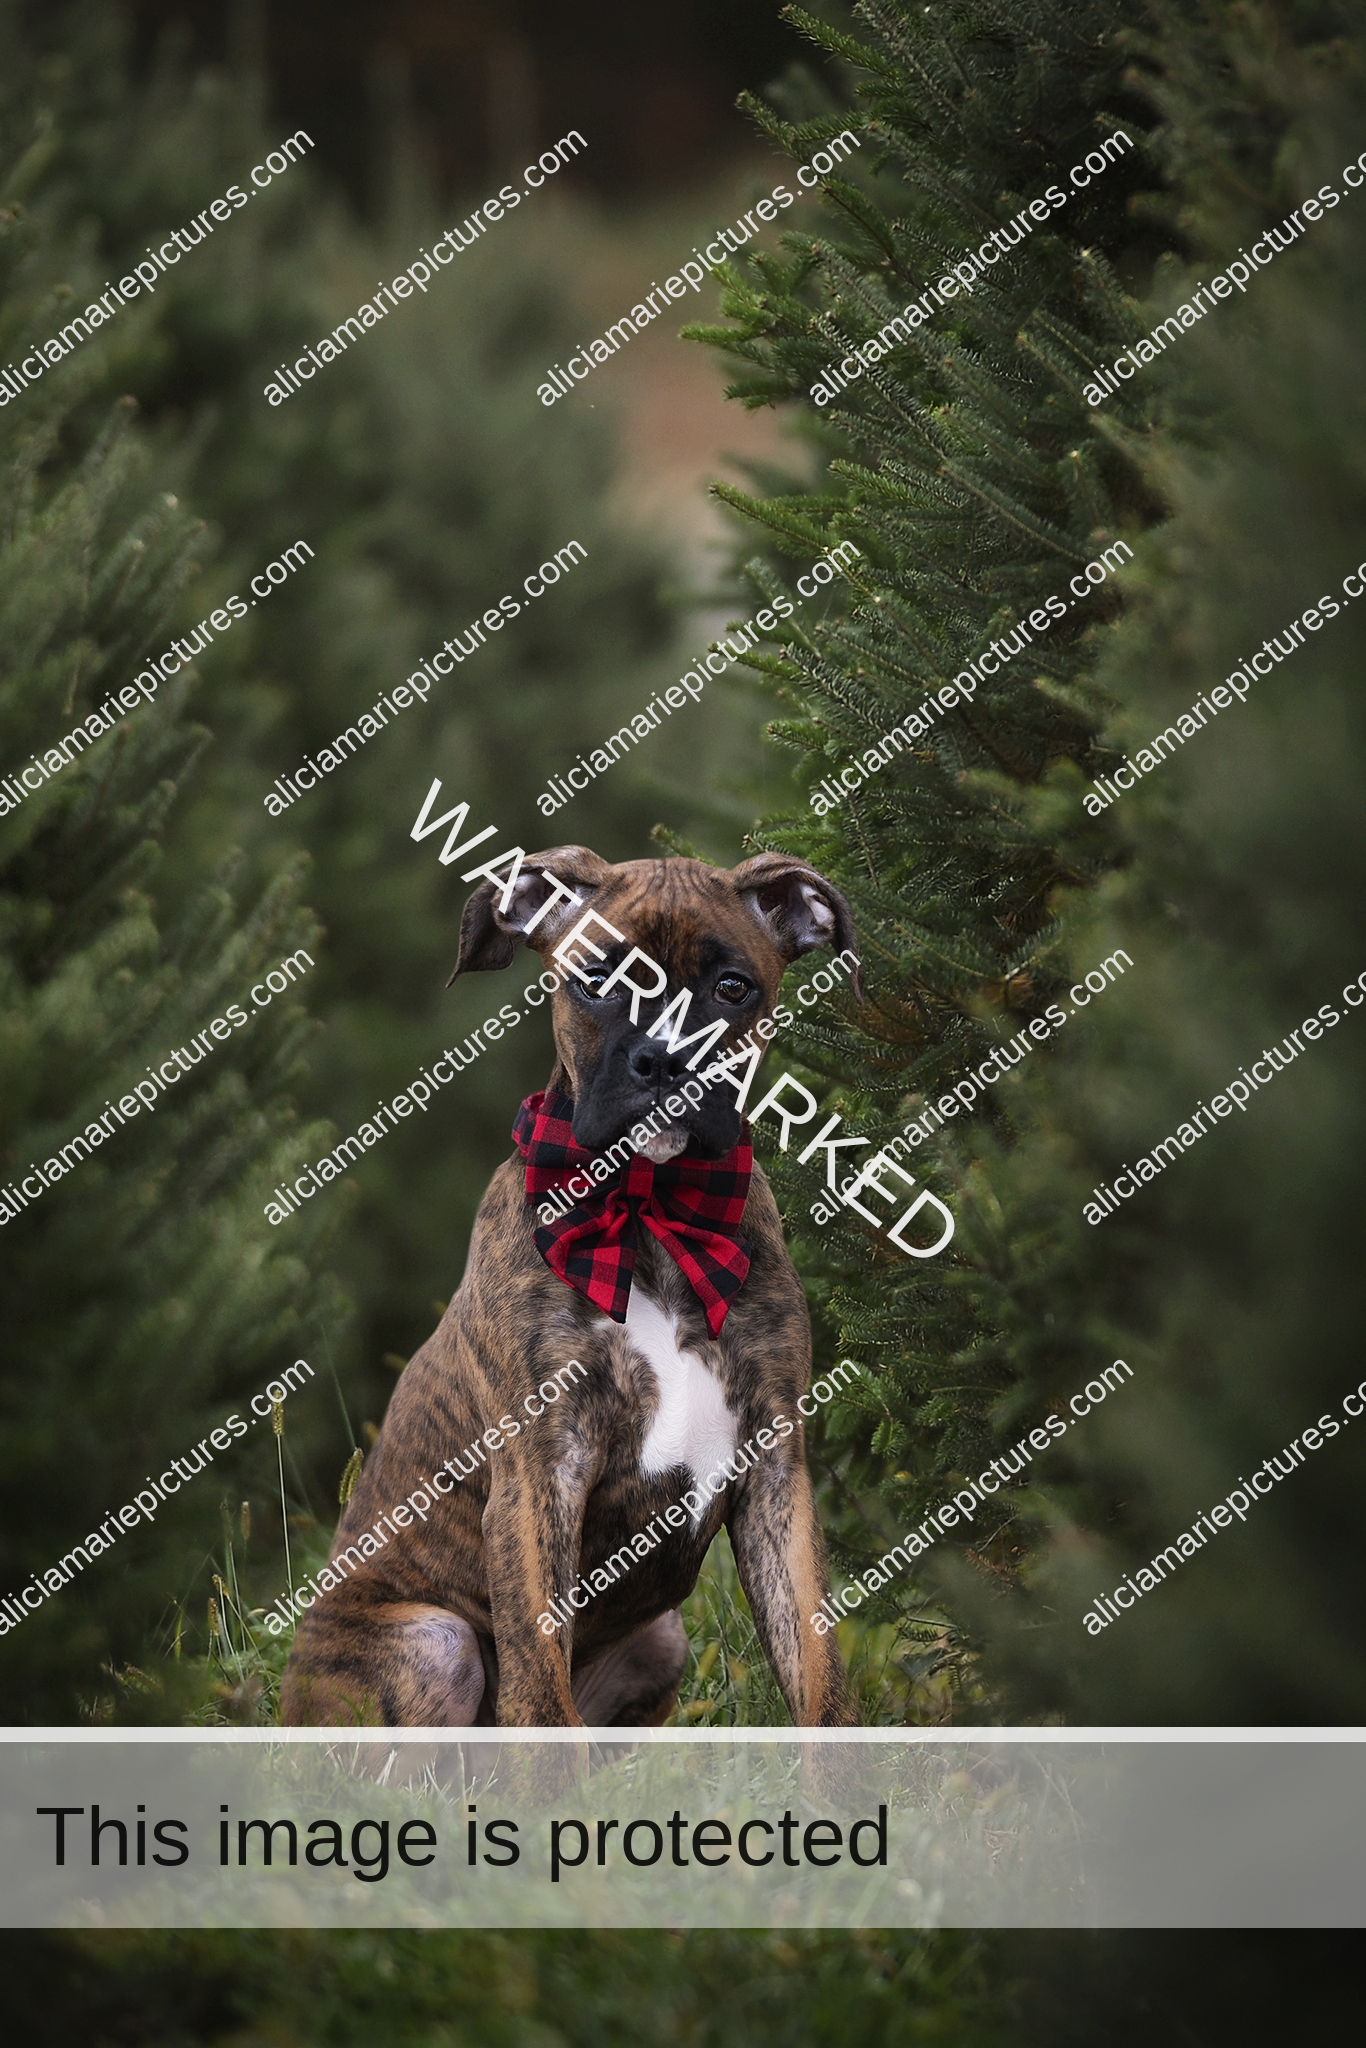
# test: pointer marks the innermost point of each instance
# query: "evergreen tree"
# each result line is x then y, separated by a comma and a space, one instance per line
975, 475
428, 481
1232, 1288
140, 1292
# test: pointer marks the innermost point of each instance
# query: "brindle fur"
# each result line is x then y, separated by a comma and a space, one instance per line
441, 1627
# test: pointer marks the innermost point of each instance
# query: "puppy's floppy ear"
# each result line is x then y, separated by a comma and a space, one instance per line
541, 891
798, 908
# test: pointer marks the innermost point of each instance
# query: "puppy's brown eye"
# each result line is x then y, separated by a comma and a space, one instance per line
733, 988
591, 980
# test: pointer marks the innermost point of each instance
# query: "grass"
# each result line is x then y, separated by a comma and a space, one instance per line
233, 1678
227, 1672
899, 1675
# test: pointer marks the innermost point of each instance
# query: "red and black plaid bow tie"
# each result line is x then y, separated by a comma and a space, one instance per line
690, 1206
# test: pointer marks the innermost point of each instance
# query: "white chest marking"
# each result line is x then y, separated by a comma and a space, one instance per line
692, 1425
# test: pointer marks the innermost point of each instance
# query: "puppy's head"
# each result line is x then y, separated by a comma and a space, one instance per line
665, 965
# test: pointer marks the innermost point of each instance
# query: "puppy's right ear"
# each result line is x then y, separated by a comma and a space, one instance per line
531, 906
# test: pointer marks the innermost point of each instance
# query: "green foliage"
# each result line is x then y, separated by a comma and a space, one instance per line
964, 469
534, 1990
428, 482
1232, 1288
698, 1988
140, 1294
899, 1674
967, 469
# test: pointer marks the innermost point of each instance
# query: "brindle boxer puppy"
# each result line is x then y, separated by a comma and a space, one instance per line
464, 1617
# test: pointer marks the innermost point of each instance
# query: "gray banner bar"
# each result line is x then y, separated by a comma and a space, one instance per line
397, 1831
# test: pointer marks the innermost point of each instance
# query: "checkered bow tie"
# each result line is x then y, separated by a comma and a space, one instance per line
690, 1206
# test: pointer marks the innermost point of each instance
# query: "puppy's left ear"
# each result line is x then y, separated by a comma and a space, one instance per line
798, 907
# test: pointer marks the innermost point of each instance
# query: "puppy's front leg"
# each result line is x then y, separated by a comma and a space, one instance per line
781, 1561
532, 1530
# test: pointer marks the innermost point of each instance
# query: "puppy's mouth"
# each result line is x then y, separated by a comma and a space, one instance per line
664, 1145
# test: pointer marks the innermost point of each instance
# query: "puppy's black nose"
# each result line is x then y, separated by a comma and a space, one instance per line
650, 1061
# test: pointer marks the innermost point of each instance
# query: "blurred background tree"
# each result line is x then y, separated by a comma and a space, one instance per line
426, 480
141, 1295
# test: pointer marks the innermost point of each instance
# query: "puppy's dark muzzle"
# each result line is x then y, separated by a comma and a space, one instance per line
633, 1079
649, 1061
639, 1074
